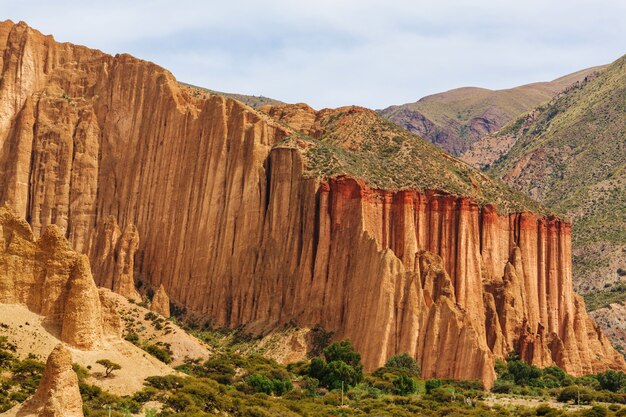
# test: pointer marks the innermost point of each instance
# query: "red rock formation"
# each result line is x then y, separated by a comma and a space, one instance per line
234, 230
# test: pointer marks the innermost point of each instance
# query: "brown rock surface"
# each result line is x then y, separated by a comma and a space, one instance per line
51, 279
233, 228
57, 394
161, 302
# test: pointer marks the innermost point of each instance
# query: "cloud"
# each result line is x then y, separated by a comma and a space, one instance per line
331, 53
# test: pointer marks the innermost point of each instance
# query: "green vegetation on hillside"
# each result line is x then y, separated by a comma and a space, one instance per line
605, 297
230, 384
360, 144
457, 118
572, 157
18, 377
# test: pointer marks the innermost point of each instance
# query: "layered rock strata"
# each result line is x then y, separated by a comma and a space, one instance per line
234, 230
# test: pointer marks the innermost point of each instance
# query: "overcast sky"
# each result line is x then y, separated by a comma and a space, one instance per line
330, 53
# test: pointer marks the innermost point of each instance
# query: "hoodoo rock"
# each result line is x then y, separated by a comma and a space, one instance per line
51, 279
58, 394
161, 302
235, 228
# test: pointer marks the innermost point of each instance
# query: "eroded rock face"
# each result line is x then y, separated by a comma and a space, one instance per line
58, 394
161, 302
113, 254
50, 279
233, 229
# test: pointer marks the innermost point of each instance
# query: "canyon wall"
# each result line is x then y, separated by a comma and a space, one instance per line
197, 194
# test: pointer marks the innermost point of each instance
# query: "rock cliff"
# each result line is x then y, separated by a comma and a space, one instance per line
241, 223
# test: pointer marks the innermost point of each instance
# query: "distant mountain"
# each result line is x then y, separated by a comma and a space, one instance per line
571, 155
455, 119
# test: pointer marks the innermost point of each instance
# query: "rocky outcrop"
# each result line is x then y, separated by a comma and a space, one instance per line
57, 394
50, 279
233, 228
161, 302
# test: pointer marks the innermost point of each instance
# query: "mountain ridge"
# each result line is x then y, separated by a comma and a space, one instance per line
457, 118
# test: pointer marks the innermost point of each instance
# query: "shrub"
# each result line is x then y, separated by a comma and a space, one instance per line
166, 382
596, 411
338, 372
612, 380
579, 395
162, 354
404, 385
260, 383
432, 384
343, 351
179, 401
441, 395
281, 386
405, 362
132, 337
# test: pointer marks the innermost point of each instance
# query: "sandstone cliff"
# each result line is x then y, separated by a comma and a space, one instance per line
50, 279
57, 394
238, 226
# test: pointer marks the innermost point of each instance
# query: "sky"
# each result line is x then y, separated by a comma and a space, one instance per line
330, 53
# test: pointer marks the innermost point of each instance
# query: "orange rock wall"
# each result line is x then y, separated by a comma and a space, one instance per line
191, 193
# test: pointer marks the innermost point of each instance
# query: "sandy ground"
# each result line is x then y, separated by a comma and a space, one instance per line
153, 330
25, 329
502, 400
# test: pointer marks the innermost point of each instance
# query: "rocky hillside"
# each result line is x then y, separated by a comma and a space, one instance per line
333, 219
252, 101
570, 155
456, 119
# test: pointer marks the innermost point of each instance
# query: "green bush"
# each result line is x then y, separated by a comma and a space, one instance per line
179, 401
260, 383
432, 384
162, 354
612, 380
404, 362
404, 385
167, 382
342, 365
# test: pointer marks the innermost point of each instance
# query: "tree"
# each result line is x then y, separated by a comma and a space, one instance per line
612, 380
109, 366
405, 362
337, 372
404, 385
343, 364
345, 352
522, 372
